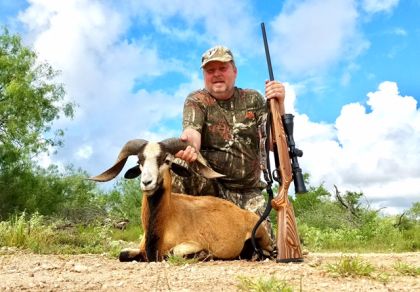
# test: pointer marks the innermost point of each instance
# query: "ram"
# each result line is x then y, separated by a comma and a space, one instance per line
181, 224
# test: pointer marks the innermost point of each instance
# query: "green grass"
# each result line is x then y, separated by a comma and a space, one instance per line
180, 261
263, 284
382, 238
42, 236
131, 234
26, 233
406, 269
349, 266
52, 235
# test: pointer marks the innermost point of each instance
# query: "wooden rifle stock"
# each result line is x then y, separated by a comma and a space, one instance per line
288, 243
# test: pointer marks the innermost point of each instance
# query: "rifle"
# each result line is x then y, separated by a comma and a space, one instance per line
286, 157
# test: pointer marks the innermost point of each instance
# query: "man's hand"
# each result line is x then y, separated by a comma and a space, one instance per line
275, 90
190, 153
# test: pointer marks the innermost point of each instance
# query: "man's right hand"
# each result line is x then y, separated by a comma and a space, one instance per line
190, 153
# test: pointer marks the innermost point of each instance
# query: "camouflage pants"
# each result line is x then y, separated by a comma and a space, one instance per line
248, 199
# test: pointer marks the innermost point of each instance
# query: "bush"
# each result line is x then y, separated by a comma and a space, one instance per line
124, 201
25, 232
41, 235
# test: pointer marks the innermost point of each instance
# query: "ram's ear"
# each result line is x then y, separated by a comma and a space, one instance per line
205, 170
180, 170
132, 172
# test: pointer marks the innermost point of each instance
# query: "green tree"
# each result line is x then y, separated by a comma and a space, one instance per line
30, 101
124, 200
49, 192
414, 212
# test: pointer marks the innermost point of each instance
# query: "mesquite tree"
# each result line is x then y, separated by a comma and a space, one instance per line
30, 101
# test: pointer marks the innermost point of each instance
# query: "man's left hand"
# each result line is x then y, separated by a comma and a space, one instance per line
275, 89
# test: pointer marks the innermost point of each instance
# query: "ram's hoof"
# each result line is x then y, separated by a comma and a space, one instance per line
128, 255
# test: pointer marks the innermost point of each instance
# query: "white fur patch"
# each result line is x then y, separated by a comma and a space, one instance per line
152, 149
150, 168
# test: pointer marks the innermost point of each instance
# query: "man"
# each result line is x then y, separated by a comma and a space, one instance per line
222, 121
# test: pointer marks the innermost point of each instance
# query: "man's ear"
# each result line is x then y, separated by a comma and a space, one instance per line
132, 172
180, 170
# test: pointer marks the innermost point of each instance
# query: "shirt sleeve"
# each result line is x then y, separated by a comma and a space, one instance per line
194, 113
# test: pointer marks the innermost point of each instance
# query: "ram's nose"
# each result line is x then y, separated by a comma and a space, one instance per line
146, 182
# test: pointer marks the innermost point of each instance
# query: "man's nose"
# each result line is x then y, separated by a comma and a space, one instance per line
218, 72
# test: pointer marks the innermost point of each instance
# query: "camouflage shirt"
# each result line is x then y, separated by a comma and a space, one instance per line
229, 134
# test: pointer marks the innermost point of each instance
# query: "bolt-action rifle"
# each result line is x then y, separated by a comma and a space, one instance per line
286, 158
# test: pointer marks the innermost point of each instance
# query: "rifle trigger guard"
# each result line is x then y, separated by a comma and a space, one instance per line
277, 176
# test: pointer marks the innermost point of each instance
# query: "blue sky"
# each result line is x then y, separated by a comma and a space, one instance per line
351, 70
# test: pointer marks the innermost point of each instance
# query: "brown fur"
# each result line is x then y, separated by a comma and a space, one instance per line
181, 224
188, 225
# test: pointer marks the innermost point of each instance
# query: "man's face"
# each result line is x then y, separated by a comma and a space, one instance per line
219, 79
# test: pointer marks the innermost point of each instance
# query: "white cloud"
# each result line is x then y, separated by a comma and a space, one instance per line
310, 36
45, 159
84, 152
373, 150
87, 41
208, 22
375, 6
399, 31
84, 39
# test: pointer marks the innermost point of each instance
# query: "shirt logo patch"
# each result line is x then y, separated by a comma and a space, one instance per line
250, 115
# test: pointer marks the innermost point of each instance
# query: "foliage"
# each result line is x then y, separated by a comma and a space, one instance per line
315, 204
349, 266
40, 235
414, 212
132, 233
25, 233
410, 218
47, 191
29, 101
343, 223
263, 284
381, 235
124, 201
406, 269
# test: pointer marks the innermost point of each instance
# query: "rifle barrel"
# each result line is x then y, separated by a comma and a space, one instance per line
267, 52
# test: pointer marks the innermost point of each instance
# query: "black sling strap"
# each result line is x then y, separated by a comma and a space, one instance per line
268, 177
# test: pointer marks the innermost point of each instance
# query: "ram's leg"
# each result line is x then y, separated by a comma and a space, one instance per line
190, 249
130, 254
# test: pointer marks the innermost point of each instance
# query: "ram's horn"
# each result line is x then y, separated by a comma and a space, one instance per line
173, 145
132, 147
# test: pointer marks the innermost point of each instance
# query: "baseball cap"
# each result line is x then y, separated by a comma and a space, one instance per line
217, 53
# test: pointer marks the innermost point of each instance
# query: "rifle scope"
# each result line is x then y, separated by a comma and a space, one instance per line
294, 153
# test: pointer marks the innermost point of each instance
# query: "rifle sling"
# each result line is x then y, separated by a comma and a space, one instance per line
266, 168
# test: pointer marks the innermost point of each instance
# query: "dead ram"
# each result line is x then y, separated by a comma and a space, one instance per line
180, 224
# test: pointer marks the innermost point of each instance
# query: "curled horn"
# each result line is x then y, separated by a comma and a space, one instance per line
173, 145
132, 147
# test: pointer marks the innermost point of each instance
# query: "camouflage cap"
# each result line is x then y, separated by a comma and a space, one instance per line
217, 53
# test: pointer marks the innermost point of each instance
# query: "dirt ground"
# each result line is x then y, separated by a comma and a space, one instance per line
23, 271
